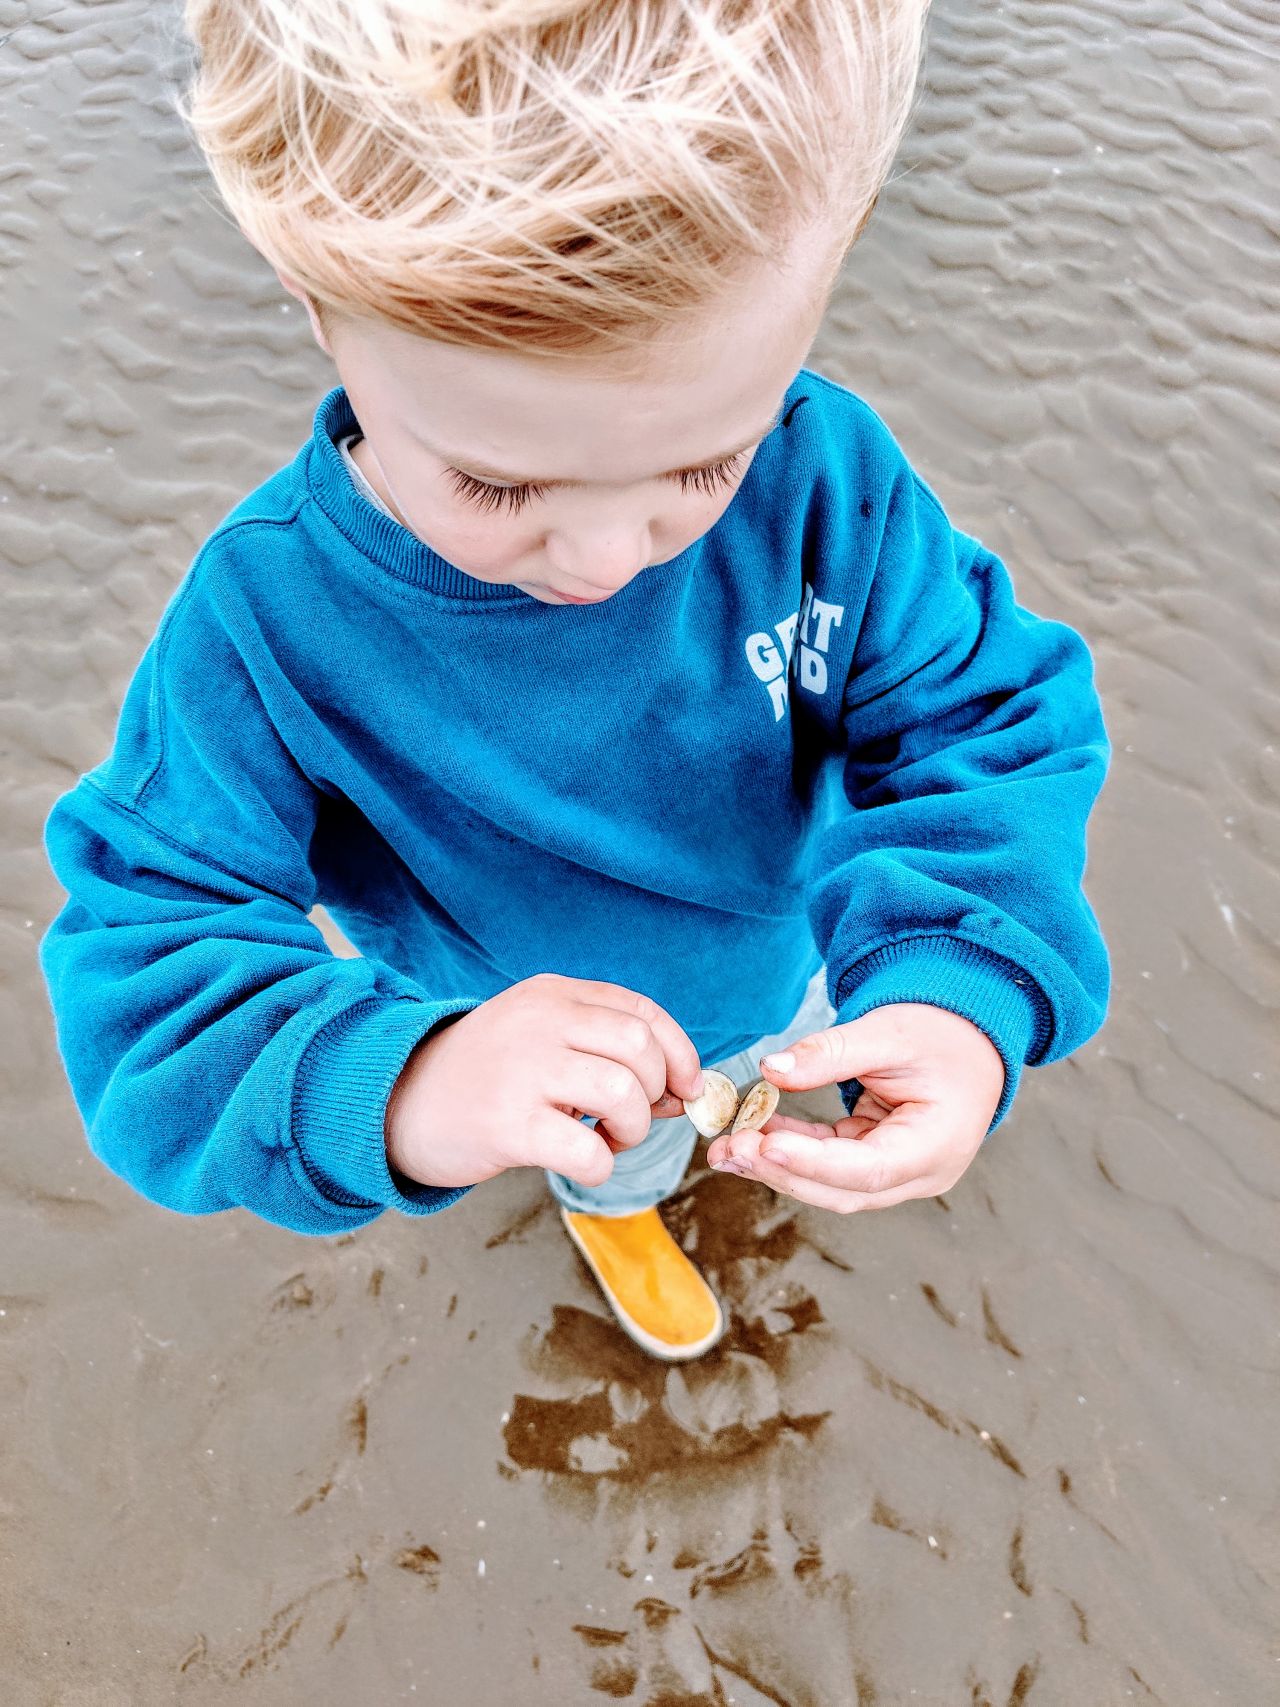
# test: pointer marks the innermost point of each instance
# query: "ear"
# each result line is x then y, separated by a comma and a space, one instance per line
295, 289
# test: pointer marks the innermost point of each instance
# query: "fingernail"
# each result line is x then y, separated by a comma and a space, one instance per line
782, 1063
779, 1158
730, 1167
699, 1085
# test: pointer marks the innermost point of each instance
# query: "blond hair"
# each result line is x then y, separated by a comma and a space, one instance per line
552, 176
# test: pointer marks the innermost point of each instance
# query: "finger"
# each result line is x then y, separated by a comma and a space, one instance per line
667, 1105
878, 1042
550, 1139
718, 1149
891, 1154
849, 1126
823, 1192
866, 1157
747, 1146
623, 1037
684, 1070
599, 1085
668, 1108
792, 1123
848, 1202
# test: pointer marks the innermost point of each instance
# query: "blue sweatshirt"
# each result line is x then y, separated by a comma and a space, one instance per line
825, 733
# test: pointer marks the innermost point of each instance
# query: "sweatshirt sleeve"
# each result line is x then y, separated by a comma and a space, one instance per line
218, 1052
973, 751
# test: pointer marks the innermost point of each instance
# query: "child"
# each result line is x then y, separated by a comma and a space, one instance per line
608, 674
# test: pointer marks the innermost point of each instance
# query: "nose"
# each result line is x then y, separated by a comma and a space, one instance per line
602, 559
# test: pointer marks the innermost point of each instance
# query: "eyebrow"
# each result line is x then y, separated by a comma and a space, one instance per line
482, 471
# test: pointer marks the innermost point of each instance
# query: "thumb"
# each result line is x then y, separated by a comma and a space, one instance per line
873, 1043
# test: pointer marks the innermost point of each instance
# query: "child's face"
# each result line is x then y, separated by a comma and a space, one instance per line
567, 481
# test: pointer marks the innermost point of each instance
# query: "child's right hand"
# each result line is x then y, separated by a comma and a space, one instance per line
503, 1085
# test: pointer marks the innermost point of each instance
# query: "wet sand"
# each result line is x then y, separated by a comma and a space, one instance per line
1014, 1446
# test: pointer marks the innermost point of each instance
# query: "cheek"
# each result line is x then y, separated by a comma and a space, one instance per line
696, 514
478, 543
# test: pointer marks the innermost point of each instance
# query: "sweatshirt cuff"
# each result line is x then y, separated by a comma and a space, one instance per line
340, 1100
950, 972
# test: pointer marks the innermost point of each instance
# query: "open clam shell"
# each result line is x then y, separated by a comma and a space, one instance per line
711, 1112
758, 1103
719, 1104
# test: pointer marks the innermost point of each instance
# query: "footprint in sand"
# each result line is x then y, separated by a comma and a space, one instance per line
638, 1417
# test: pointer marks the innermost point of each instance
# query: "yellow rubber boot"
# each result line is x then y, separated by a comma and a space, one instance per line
653, 1289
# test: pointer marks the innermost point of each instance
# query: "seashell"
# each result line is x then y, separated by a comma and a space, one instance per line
758, 1103
715, 1108
719, 1104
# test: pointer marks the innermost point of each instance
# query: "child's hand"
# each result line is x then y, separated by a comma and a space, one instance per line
503, 1085
931, 1084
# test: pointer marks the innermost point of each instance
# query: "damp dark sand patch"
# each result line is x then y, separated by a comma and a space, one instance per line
630, 1418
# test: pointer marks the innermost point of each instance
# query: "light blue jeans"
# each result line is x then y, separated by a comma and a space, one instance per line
651, 1171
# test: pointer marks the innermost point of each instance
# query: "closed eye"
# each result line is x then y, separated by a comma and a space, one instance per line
489, 497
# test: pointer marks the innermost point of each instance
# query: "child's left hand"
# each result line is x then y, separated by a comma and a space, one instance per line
931, 1084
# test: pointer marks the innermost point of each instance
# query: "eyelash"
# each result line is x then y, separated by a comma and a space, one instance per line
514, 498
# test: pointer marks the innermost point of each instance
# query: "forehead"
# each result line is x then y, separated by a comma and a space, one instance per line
714, 386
